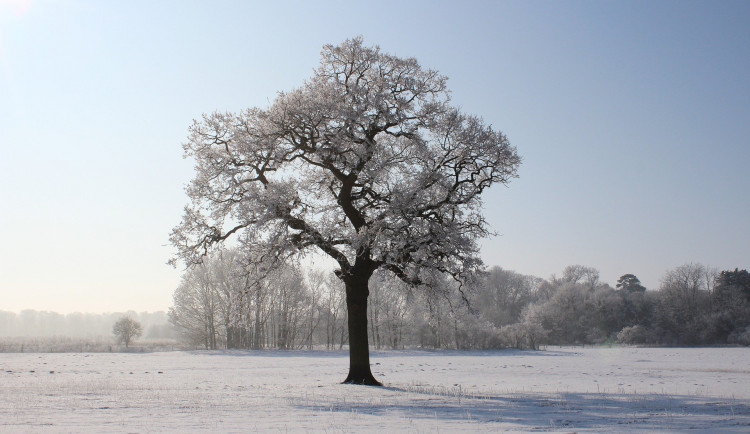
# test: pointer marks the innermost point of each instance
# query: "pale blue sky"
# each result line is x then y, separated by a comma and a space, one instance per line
633, 119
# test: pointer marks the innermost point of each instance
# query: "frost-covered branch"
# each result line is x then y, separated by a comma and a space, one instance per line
366, 162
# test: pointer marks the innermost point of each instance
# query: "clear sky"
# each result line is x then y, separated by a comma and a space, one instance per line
633, 119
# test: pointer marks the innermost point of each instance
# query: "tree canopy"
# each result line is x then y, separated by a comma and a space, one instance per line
629, 282
366, 156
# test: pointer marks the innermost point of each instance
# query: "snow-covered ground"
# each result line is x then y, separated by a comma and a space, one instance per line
567, 389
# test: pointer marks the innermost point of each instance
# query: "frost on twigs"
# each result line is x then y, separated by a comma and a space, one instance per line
366, 162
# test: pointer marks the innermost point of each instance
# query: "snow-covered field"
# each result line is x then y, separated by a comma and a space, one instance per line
568, 389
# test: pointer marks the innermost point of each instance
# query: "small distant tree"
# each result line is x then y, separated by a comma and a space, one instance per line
126, 329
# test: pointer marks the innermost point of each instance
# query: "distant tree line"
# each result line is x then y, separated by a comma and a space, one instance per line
37, 324
226, 303
694, 305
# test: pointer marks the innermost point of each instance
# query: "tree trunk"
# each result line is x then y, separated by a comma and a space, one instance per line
258, 325
359, 351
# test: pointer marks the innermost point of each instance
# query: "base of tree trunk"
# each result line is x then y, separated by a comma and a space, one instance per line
364, 379
361, 374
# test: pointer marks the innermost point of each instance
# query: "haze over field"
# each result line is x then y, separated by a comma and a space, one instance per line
632, 119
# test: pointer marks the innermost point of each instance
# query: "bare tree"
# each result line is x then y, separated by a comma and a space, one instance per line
531, 327
367, 162
334, 304
683, 297
388, 310
687, 287
503, 294
315, 286
227, 277
126, 329
196, 309
588, 276
288, 301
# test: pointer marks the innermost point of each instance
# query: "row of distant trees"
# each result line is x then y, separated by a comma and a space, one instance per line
694, 305
38, 324
224, 303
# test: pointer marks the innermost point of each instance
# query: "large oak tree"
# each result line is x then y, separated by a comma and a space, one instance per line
366, 162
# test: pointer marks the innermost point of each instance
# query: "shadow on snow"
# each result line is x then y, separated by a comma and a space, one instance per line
536, 411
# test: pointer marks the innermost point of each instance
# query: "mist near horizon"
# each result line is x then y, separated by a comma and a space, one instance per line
40, 324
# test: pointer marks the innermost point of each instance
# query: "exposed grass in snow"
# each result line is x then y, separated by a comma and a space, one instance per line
573, 389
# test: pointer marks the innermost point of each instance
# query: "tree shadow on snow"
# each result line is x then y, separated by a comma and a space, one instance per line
528, 411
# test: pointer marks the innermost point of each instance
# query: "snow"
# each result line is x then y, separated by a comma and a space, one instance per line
565, 389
